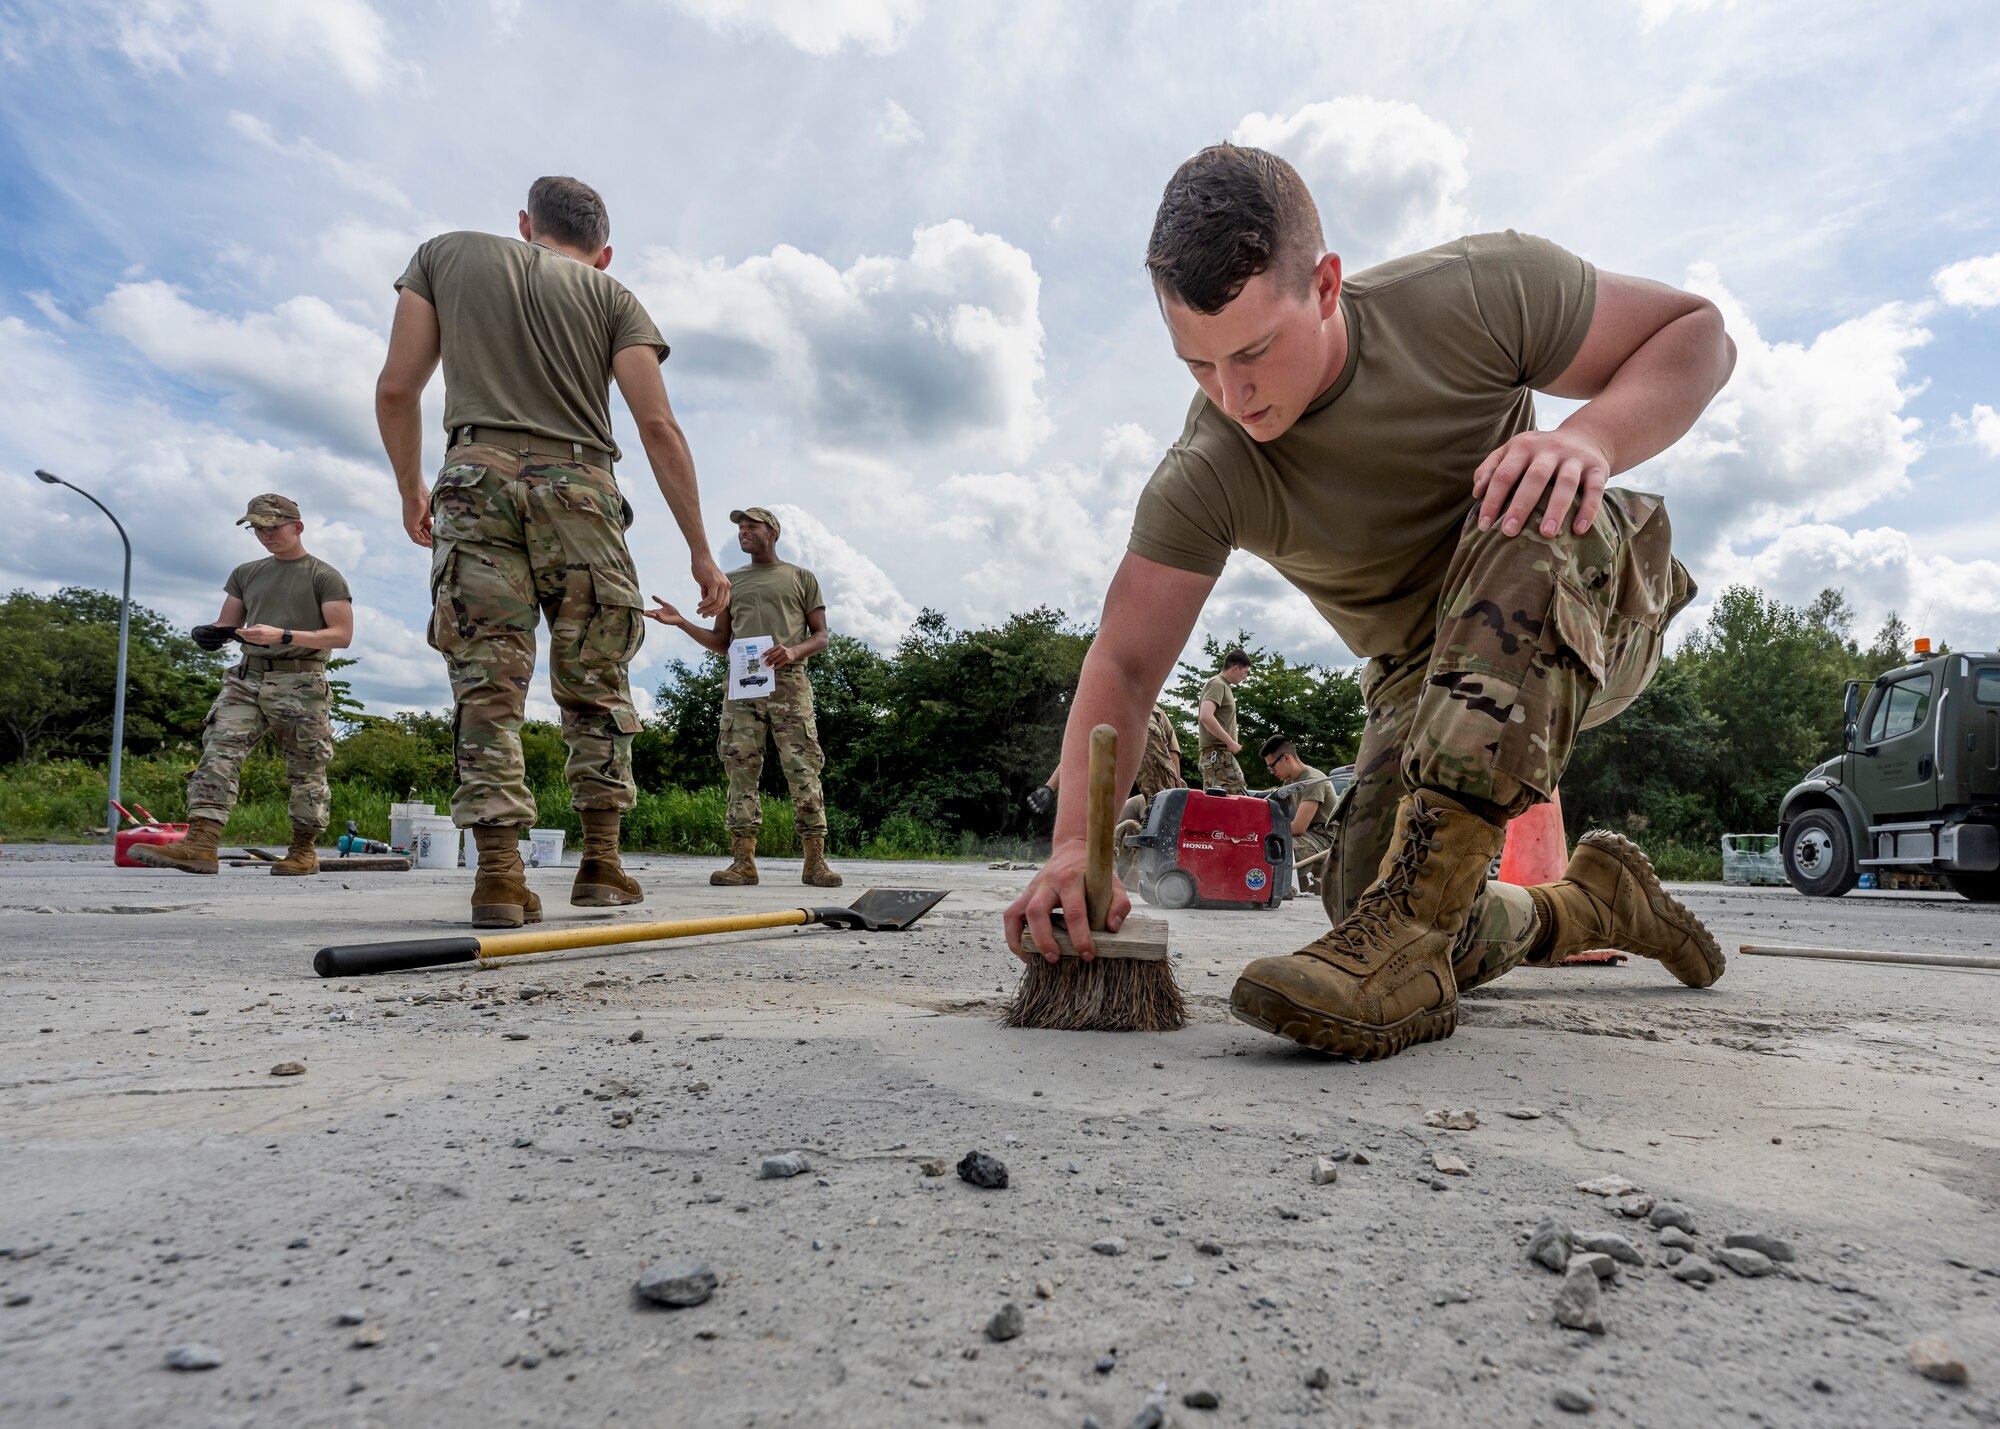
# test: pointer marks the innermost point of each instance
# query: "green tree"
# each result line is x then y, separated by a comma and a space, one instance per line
1317, 707
59, 663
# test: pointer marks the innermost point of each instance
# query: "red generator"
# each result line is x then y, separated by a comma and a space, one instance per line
1208, 850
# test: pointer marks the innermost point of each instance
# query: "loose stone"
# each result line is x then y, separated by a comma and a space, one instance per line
1464, 1119
1007, 1323
1607, 1186
1612, 1244
353, 1317
1932, 1358
1449, 1165
1524, 1113
1110, 1245
1745, 1262
289, 1069
1575, 1399
681, 1281
1578, 1304
1674, 1238
786, 1164
1598, 1264
1325, 1171
1551, 1245
193, 1356
1201, 1397
931, 1168
1765, 1245
1668, 1213
1695, 1270
979, 1169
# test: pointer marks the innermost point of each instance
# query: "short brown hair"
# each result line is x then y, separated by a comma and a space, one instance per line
570, 212
1234, 658
1228, 214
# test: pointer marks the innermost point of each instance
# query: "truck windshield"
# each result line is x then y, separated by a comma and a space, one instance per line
1901, 709
1987, 690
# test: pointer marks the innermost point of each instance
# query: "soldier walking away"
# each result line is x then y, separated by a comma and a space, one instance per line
526, 520
288, 610
1373, 437
774, 598
1217, 718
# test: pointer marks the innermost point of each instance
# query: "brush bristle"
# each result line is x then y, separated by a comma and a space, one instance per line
1105, 994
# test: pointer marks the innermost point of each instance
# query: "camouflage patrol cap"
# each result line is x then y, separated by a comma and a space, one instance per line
270, 509
756, 513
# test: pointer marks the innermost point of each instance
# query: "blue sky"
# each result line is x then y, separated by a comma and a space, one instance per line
896, 245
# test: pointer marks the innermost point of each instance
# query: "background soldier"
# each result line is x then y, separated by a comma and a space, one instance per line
775, 598
1217, 717
1312, 800
527, 519
288, 609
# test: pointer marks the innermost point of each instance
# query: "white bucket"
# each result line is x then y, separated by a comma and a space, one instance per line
545, 848
472, 851
433, 841
400, 818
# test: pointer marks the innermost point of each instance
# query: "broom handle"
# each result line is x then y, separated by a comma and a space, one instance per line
1102, 812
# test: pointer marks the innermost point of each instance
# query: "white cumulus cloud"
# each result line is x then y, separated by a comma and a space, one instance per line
819, 27
1386, 176
940, 346
1970, 283
345, 37
302, 364
861, 599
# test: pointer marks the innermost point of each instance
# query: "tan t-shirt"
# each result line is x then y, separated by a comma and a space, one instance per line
528, 335
289, 595
772, 600
1224, 695
1311, 784
1359, 504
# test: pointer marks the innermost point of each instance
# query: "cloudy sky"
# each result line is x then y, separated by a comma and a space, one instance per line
897, 245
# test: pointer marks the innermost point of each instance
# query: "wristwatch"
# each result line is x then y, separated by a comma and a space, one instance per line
288, 638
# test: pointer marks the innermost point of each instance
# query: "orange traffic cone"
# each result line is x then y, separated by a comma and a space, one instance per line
1537, 850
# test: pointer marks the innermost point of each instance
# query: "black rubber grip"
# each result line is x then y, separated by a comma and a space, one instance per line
361, 959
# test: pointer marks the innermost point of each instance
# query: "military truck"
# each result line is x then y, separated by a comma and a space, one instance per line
1915, 788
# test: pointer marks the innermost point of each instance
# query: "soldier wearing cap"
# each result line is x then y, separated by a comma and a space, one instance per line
288, 610
526, 521
780, 600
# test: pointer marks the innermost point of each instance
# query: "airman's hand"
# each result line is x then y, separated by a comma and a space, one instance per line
778, 656
417, 517
1059, 884
1569, 467
712, 583
260, 634
662, 612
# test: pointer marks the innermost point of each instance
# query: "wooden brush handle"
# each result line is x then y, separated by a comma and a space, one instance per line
1103, 815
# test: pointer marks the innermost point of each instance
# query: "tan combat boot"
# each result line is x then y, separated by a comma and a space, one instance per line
193, 854
816, 874
302, 858
742, 871
501, 897
1610, 898
601, 881
1382, 979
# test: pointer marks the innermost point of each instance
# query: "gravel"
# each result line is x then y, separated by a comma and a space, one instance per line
1670, 1213
1325, 1171
1674, 1238
1695, 1270
1610, 1243
1932, 1358
199, 1356
785, 1164
1200, 1396
1575, 1399
1110, 1245
1007, 1323
1551, 1245
1578, 1303
1744, 1261
1765, 1245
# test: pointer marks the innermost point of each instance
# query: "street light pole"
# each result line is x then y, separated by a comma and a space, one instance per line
124, 628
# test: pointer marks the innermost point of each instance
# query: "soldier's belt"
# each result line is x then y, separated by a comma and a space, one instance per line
519, 441
264, 665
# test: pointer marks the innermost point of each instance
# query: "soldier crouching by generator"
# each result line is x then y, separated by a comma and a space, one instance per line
287, 610
782, 602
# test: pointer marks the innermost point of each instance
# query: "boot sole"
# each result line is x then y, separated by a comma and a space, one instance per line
602, 895
724, 880
293, 872
834, 882
1667, 908
1272, 1012
143, 853
503, 915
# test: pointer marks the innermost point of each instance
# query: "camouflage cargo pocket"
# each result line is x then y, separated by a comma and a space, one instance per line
616, 628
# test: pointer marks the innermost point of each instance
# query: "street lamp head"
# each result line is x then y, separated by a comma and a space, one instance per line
50, 477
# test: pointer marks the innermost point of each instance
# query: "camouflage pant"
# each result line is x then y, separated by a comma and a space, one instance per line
1219, 770
1538, 639
517, 538
786, 715
297, 710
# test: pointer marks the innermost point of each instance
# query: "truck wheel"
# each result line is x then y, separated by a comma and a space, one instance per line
1979, 887
1819, 859
1174, 889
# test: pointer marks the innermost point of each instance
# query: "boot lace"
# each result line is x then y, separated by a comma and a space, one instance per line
1391, 897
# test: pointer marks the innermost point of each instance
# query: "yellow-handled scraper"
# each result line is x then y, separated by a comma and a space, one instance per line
879, 910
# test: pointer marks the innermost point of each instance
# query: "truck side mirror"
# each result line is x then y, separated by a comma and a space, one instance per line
1850, 702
